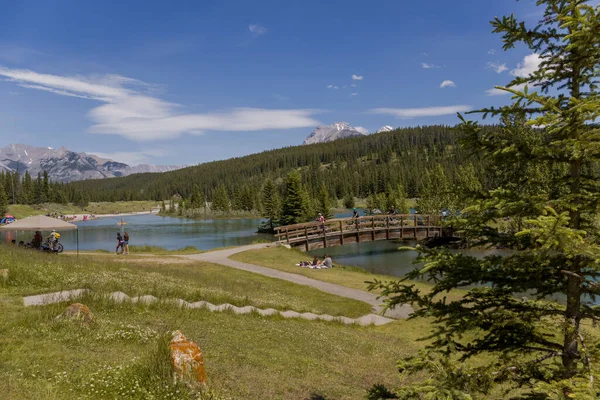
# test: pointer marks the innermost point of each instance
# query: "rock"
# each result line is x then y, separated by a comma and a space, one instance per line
187, 361
3, 273
78, 312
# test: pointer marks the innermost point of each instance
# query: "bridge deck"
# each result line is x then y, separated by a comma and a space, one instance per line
337, 232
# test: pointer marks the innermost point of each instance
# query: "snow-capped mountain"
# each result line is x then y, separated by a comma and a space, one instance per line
385, 128
337, 130
64, 165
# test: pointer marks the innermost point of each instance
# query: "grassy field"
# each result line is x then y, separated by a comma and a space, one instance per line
247, 357
285, 259
22, 210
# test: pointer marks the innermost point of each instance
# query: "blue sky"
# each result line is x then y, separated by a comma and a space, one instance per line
188, 82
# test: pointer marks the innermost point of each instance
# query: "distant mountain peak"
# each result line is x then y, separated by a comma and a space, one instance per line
329, 133
385, 128
64, 165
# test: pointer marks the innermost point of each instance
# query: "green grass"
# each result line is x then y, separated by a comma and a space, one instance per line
157, 250
285, 259
247, 356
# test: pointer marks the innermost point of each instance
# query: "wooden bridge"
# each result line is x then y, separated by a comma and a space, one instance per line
337, 232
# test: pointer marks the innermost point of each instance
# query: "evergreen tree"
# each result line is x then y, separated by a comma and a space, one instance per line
295, 202
349, 201
270, 202
38, 197
396, 197
324, 204
220, 201
436, 192
181, 207
246, 199
26, 189
541, 348
163, 207
197, 199
45, 188
3, 201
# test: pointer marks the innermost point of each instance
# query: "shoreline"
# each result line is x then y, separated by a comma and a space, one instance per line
79, 217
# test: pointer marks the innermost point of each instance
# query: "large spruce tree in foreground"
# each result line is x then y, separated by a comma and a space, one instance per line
526, 319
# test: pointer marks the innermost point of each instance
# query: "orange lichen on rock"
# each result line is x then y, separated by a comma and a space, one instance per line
187, 361
79, 312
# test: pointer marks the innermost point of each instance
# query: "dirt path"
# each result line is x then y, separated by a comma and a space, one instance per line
222, 257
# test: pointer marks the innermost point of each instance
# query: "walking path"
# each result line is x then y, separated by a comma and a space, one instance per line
222, 257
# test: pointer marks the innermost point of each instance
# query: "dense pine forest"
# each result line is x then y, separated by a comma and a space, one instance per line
355, 167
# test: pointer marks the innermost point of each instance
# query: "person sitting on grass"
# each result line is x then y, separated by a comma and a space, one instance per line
327, 262
37, 240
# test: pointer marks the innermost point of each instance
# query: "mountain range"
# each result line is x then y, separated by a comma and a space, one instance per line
64, 165
338, 130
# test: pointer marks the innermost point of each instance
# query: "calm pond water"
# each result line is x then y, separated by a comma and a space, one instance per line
167, 232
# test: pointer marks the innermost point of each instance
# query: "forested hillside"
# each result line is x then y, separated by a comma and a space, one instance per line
355, 166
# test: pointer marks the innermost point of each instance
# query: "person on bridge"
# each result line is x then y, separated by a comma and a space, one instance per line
321, 219
355, 213
393, 210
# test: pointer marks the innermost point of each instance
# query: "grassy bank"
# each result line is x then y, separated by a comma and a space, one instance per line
247, 357
285, 259
24, 210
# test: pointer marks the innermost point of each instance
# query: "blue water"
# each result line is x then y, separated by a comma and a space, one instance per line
170, 233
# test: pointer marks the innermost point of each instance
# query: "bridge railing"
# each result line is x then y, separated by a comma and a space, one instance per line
341, 226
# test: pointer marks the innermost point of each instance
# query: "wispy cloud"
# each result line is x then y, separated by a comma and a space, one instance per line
131, 109
133, 158
333, 87
447, 83
491, 52
353, 85
430, 66
421, 112
257, 30
357, 77
353, 94
497, 67
361, 129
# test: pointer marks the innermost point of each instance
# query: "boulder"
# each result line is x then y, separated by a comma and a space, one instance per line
187, 361
78, 312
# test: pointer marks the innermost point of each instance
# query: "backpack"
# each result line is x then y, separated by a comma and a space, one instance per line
126, 237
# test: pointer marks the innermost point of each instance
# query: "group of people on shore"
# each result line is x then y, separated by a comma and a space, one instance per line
317, 263
122, 243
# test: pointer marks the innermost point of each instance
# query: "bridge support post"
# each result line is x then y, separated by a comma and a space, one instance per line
324, 237
415, 226
428, 225
341, 233
402, 227
357, 231
306, 237
387, 225
373, 228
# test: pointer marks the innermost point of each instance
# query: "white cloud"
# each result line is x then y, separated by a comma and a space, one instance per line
130, 110
333, 87
357, 77
430, 66
132, 157
353, 94
447, 83
529, 65
361, 129
497, 67
257, 30
421, 112
491, 52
